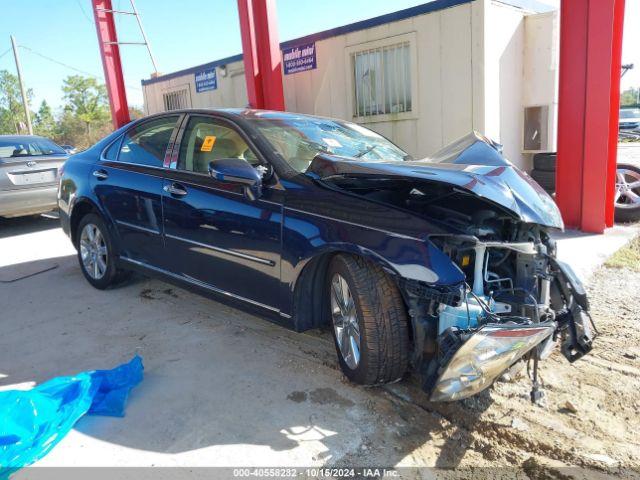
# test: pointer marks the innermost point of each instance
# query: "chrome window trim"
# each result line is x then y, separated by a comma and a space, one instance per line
118, 162
393, 234
204, 285
137, 227
233, 253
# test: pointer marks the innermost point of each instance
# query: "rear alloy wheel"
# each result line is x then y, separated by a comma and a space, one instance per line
369, 320
627, 196
96, 254
93, 251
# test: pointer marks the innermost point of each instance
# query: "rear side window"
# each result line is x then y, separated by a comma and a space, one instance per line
111, 153
146, 144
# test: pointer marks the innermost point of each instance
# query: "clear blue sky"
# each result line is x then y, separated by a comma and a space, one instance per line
183, 33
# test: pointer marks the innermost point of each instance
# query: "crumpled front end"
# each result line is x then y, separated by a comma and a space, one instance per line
518, 303
512, 300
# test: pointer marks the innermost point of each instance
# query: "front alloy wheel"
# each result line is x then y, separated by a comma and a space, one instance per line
345, 321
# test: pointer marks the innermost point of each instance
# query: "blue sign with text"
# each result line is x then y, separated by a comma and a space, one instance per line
299, 58
206, 80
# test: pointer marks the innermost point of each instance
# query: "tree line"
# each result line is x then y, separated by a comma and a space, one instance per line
83, 119
630, 97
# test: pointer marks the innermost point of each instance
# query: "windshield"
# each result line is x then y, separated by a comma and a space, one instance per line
28, 147
630, 113
299, 139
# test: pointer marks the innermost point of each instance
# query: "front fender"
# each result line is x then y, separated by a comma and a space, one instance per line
306, 236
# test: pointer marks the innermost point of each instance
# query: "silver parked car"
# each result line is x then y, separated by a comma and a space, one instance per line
28, 174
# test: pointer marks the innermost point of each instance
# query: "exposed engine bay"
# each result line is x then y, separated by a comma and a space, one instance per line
517, 301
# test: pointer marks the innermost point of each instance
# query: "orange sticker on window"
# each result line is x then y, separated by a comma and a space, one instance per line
207, 144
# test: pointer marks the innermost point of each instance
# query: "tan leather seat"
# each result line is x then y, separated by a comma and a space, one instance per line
222, 148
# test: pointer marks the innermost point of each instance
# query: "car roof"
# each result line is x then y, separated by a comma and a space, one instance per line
243, 113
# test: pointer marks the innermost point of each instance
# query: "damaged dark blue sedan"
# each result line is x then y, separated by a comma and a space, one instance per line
443, 267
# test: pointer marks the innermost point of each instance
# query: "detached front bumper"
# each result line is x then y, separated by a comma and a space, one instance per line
484, 355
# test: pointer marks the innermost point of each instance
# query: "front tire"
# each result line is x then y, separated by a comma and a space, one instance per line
369, 320
96, 254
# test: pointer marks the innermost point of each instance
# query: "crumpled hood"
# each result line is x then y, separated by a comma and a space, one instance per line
472, 163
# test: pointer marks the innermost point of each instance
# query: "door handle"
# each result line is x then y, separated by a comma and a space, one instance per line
100, 174
175, 189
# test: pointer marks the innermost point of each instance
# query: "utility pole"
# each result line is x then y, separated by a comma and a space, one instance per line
144, 36
22, 90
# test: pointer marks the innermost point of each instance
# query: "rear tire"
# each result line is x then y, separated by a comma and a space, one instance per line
378, 315
96, 253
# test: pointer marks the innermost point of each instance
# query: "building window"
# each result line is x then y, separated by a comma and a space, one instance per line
536, 129
176, 100
382, 80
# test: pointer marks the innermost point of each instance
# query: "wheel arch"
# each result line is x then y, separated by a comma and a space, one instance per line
81, 207
309, 284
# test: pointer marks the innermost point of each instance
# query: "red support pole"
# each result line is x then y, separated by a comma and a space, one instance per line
261, 52
110, 53
616, 67
571, 108
589, 54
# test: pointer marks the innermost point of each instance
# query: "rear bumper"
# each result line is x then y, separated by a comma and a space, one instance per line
28, 201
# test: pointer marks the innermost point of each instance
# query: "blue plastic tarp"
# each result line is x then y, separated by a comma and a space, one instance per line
32, 422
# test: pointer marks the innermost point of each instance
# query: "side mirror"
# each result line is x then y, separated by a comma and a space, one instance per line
238, 171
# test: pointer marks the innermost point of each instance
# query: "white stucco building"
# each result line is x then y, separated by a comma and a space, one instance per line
422, 77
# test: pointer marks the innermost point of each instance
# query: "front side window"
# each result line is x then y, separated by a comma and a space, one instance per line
146, 144
382, 80
206, 139
298, 139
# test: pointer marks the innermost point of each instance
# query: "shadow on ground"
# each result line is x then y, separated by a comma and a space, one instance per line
10, 227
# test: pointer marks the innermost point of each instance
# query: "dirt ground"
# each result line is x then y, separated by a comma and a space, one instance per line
588, 417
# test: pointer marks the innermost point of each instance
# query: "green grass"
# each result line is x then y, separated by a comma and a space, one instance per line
626, 257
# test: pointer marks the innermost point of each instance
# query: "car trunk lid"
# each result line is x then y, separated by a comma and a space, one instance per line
25, 172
